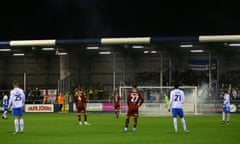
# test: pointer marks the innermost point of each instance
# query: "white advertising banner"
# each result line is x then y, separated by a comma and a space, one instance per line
39, 108
91, 107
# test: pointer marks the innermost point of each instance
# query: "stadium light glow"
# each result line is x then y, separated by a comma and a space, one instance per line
153, 52
197, 51
146, 52
92, 47
4, 50
47, 49
137, 46
234, 44
18, 54
186, 46
51, 42
134, 40
105, 52
62, 53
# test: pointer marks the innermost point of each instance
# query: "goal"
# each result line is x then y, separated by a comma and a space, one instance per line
154, 99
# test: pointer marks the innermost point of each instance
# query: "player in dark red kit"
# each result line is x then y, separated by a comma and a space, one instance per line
116, 102
134, 100
81, 105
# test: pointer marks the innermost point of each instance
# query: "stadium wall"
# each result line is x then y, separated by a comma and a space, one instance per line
43, 71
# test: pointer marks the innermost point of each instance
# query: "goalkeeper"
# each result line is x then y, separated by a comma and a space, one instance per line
166, 99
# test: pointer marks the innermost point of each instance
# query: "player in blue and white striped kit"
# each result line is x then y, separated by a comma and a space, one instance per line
5, 106
177, 98
17, 102
226, 107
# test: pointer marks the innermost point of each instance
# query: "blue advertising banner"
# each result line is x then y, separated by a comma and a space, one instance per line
217, 107
202, 64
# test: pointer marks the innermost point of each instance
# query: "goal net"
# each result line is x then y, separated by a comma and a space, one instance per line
154, 99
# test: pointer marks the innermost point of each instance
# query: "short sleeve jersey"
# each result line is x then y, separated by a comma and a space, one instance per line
80, 99
5, 100
176, 98
17, 98
133, 99
226, 99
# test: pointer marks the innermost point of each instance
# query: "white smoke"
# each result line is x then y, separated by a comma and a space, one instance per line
203, 92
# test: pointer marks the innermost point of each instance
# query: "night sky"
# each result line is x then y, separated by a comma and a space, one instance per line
76, 19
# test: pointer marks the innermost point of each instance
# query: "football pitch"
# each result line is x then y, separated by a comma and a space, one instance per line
63, 128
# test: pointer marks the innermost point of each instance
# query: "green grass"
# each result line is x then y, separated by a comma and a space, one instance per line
62, 128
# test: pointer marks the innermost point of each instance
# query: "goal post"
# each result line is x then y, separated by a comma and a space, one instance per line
154, 99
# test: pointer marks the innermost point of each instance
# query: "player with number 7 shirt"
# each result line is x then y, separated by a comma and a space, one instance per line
134, 100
